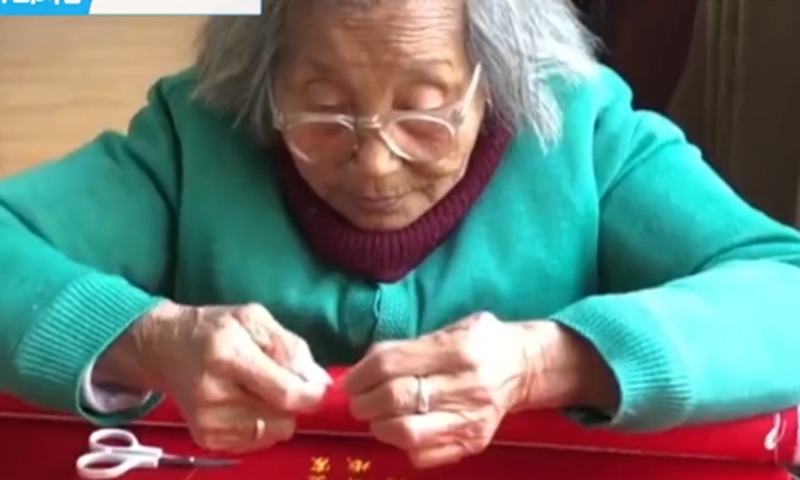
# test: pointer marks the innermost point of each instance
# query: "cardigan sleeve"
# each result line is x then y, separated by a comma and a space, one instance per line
85, 250
699, 311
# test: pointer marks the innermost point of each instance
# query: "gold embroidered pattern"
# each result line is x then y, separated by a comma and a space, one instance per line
320, 467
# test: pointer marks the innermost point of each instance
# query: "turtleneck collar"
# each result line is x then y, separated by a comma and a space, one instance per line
388, 256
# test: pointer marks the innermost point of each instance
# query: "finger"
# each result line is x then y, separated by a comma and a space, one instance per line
285, 348
277, 386
418, 432
264, 432
397, 397
437, 456
388, 360
295, 355
225, 394
260, 324
401, 396
444, 351
241, 428
280, 387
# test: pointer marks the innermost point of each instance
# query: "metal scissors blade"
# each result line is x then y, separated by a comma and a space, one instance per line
195, 462
106, 465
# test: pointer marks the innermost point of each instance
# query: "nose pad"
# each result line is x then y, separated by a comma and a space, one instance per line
374, 157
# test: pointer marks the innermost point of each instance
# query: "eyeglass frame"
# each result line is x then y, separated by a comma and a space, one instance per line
451, 116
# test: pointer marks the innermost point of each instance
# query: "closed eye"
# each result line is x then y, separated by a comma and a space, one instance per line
339, 108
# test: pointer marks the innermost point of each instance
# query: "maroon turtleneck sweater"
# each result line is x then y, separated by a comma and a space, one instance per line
389, 256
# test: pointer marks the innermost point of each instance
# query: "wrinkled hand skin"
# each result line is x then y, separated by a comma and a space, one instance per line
226, 368
478, 370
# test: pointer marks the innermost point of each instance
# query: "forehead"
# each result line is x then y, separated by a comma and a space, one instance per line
372, 33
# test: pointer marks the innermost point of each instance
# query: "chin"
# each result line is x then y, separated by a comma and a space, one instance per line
382, 222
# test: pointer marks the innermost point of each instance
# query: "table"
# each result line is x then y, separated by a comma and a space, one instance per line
40, 445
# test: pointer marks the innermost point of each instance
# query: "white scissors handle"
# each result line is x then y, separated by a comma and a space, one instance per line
114, 452
115, 440
111, 464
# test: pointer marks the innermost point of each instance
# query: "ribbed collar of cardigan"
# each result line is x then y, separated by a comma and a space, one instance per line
388, 256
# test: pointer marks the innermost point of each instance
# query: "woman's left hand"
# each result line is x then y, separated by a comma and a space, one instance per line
442, 396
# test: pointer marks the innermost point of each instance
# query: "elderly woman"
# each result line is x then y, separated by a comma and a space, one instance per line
450, 196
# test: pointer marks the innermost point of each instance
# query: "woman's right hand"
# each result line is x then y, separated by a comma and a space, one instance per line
236, 374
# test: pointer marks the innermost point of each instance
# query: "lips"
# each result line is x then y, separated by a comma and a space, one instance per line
378, 204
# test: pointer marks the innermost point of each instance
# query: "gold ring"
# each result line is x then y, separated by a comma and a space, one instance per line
261, 426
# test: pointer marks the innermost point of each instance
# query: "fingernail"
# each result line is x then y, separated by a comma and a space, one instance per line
321, 375
313, 394
311, 372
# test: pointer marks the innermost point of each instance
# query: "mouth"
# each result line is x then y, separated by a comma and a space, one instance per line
378, 205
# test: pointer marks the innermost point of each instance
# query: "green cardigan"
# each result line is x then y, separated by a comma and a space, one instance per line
620, 231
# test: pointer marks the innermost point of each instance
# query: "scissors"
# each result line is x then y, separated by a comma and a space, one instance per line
114, 452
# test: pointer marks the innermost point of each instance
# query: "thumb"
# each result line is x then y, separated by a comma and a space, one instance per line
284, 347
293, 352
276, 385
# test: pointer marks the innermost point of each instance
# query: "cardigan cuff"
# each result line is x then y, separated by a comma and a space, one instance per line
107, 399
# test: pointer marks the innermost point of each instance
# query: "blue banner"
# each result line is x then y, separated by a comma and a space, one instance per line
44, 7
129, 7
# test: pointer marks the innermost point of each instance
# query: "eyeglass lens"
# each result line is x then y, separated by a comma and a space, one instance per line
419, 139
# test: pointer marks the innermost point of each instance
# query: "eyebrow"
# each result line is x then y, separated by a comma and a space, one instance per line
419, 68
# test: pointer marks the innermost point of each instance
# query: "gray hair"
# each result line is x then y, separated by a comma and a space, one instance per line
522, 46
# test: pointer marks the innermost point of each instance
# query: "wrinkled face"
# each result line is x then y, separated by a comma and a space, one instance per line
384, 61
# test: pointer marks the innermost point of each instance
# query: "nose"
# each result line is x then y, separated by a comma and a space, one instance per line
374, 157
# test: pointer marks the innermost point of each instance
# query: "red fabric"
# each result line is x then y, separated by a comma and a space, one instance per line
35, 445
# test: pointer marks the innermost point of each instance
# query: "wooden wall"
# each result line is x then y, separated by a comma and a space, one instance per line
740, 95
62, 80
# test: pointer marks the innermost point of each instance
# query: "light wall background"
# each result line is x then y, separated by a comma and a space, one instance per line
62, 80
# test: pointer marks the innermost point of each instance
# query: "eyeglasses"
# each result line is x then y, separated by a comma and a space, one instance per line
414, 136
